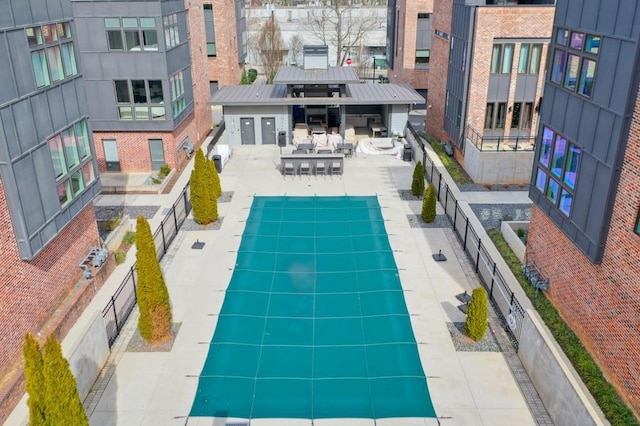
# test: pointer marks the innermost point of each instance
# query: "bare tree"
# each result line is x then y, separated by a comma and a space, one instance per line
296, 44
341, 25
272, 47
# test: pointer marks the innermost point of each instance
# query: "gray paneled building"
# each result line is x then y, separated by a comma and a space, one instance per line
47, 160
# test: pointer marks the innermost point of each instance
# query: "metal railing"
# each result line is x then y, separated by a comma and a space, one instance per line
499, 143
501, 296
124, 299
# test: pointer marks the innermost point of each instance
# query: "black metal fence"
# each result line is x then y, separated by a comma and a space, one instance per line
499, 143
123, 301
500, 294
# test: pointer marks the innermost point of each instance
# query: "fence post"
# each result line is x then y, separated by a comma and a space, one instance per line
466, 230
455, 215
492, 280
115, 315
478, 255
439, 184
186, 203
175, 219
133, 280
446, 197
164, 241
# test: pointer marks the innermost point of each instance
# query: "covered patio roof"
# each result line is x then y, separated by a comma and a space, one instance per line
276, 94
332, 75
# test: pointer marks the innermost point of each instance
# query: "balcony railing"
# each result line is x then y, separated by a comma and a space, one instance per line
499, 143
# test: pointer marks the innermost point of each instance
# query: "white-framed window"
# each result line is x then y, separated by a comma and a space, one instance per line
171, 34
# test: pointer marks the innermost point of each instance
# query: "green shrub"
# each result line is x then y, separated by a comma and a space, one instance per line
61, 399
154, 323
417, 183
129, 238
429, 204
252, 74
201, 190
477, 314
121, 256
164, 171
455, 170
110, 224
213, 179
605, 395
520, 232
243, 78
33, 372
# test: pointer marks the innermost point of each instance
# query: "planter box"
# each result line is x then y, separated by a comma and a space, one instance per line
508, 230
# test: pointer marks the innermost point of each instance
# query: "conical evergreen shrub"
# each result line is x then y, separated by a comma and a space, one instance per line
200, 199
215, 191
61, 399
477, 314
33, 372
417, 184
154, 323
429, 204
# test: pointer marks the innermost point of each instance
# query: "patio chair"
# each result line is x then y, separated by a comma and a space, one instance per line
305, 169
288, 169
320, 169
336, 168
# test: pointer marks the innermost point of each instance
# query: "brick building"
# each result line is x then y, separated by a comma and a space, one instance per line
150, 69
585, 225
489, 59
409, 35
48, 180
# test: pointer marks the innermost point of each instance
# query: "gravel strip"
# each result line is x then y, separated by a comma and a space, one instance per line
111, 212
491, 215
138, 344
462, 343
191, 225
442, 221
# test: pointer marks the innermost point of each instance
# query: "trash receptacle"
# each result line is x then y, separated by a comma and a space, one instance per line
217, 161
282, 139
407, 154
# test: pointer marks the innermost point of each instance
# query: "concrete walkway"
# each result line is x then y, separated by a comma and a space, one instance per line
467, 388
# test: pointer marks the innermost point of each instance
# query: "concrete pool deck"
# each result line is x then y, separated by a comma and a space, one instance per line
158, 388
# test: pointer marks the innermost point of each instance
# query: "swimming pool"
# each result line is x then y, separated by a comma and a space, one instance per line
314, 322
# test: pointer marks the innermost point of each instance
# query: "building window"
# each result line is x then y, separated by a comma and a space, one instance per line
530, 55
171, 33
575, 60
422, 56
502, 58
522, 115
423, 41
557, 170
209, 29
495, 115
177, 94
132, 34
140, 99
72, 161
52, 54
638, 224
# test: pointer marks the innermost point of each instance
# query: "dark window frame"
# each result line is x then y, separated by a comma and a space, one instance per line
562, 187
139, 34
501, 58
498, 115
127, 108
585, 50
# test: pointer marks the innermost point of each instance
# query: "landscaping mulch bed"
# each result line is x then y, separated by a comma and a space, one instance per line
138, 344
462, 343
191, 225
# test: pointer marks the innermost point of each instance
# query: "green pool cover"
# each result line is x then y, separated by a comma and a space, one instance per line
314, 323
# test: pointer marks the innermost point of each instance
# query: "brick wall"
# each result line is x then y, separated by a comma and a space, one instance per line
438, 64
505, 22
492, 22
224, 67
32, 291
601, 302
404, 62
